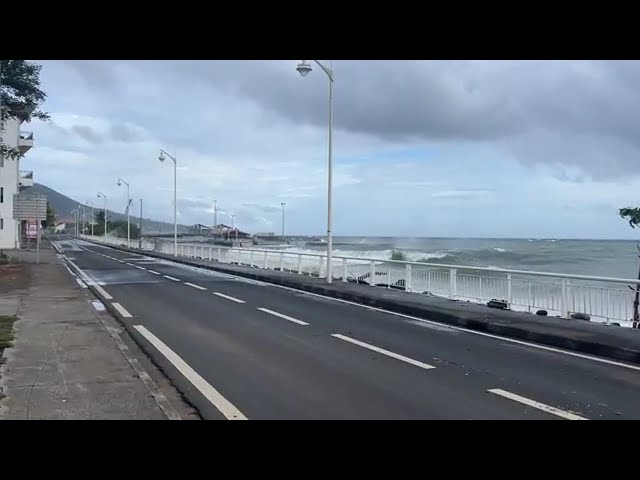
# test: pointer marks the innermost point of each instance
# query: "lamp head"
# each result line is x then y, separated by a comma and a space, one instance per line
161, 157
119, 182
303, 68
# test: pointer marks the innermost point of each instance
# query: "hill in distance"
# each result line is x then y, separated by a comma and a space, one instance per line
63, 207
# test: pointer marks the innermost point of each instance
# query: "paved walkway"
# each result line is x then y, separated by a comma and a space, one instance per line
70, 361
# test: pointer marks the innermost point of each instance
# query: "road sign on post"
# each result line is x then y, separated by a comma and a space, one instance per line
29, 207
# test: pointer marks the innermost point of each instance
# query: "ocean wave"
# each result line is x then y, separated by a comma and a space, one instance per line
501, 250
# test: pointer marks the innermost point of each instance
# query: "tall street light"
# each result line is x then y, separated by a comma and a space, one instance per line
120, 182
75, 222
233, 217
100, 194
89, 204
283, 204
304, 67
175, 214
215, 215
140, 227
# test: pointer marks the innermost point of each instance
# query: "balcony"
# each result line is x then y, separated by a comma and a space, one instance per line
25, 142
26, 179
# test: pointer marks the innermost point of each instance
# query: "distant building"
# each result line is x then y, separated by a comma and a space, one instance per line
200, 229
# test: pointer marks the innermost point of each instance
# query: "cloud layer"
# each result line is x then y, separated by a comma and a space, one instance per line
421, 147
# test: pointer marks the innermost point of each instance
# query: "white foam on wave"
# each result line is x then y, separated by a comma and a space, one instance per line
410, 256
501, 250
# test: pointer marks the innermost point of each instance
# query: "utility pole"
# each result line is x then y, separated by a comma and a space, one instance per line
215, 215
140, 226
283, 204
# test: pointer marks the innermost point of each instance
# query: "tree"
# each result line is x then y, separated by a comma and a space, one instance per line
99, 217
632, 215
51, 217
20, 96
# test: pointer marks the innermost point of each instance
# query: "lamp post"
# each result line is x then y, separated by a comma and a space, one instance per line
120, 182
140, 227
283, 204
92, 217
233, 228
75, 222
100, 194
215, 215
175, 214
304, 68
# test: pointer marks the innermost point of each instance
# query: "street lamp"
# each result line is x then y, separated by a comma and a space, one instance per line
215, 215
304, 68
233, 224
175, 214
120, 182
75, 222
93, 218
100, 194
283, 204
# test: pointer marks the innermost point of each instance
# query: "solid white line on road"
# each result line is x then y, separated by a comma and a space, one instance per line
271, 312
121, 261
130, 264
121, 310
154, 272
228, 297
195, 286
171, 278
139, 267
211, 394
383, 351
534, 404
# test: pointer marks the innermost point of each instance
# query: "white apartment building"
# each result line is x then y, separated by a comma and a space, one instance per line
12, 180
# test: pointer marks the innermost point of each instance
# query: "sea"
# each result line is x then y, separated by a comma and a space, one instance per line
606, 258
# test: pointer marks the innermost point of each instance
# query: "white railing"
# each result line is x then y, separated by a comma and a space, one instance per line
604, 299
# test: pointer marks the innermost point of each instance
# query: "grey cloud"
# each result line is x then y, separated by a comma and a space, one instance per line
526, 102
261, 208
87, 133
578, 113
123, 133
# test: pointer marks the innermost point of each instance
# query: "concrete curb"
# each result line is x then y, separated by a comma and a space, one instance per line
588, 347
156, 357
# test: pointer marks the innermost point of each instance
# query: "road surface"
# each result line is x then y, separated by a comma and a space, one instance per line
241, 349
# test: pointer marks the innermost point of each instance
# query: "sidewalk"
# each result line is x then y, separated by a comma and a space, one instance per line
586, 337
70, 361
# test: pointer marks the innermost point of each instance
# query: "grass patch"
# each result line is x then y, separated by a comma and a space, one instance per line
6, 331
4, 258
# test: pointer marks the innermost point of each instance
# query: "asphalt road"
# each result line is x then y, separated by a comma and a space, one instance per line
238, 348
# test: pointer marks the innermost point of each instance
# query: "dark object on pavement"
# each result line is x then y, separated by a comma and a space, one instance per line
542, 313
580, 316
494, 303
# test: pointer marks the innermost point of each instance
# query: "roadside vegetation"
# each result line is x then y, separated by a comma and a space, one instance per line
632, 215
6, 331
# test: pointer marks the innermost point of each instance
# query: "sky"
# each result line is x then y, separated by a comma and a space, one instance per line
531, 149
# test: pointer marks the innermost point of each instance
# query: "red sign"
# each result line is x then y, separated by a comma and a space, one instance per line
32, 229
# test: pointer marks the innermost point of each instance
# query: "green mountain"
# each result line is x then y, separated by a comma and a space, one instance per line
63, 207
